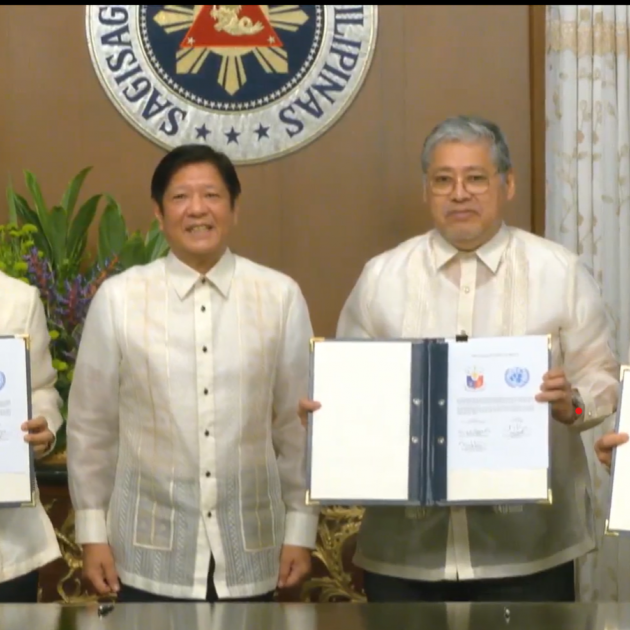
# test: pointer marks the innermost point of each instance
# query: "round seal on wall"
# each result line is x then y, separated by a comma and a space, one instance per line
256, 81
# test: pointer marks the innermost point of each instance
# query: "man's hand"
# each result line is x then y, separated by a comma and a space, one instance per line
555, 389
295, 565
606, 444
304, 407
39, 435
99, 568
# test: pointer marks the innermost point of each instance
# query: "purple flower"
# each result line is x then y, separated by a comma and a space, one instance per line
40, 274
66, 301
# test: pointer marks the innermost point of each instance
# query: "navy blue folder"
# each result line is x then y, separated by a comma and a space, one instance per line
428, 428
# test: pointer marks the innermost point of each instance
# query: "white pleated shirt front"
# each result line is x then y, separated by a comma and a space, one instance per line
516, 284
183, 433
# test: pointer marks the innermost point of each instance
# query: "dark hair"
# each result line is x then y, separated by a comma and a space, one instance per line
188, 154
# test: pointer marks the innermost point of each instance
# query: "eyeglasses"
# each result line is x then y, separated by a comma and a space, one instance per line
473, 183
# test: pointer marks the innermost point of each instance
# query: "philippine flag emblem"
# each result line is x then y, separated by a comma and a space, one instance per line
474, 380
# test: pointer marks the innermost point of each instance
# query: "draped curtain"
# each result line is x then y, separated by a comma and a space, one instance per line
588, 207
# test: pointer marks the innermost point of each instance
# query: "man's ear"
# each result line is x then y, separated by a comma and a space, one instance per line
158, 214
510, 185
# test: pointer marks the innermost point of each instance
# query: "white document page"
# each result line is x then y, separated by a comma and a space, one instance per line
498, 435
15, 462
361, 434
619, 514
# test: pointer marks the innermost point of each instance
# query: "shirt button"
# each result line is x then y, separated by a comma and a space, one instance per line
203, 281
207, 433
209, 514
203, 309
208, 474
205, 349
205, 391
466, 290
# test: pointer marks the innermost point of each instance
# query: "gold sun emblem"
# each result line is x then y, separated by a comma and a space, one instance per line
231, 31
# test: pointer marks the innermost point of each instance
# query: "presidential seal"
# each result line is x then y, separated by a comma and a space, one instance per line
254, 80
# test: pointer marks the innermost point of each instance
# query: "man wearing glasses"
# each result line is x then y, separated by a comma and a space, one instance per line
472, 274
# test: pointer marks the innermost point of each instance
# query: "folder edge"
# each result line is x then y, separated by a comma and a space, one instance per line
26, 337
623, 368
315, 340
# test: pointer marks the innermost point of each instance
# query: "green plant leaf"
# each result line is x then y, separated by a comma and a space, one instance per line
24, 212
43, 225
58, 235
61, 238
38, 201
27, 215
151, 245
77, 237
154, 229
133, 252
13, 216
71, 194
112, 232
156, 245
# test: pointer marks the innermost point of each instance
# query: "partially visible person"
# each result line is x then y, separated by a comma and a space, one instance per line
186, 456
27, 538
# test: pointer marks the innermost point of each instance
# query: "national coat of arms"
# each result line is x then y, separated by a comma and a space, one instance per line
254, 80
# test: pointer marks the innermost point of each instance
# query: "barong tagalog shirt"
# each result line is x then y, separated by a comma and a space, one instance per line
184, 439
516, 284
27, 537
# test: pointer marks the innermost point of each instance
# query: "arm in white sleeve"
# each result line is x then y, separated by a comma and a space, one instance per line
354, 320
45, 399
587, 344
92, 429
288, 434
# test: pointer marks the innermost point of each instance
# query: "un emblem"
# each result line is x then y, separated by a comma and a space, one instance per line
256, 81
3, 380
517, 377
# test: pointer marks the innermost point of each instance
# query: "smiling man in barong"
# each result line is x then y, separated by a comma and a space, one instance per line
185, 448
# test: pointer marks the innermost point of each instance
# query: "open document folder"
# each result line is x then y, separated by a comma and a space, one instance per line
17, 475
618, 521
429, 422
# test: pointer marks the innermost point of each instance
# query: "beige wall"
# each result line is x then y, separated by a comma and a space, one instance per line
317, 214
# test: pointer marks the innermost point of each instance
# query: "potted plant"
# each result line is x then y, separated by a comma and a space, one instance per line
47, 247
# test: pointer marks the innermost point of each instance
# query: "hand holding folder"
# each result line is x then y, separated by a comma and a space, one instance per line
428, 422
307, 407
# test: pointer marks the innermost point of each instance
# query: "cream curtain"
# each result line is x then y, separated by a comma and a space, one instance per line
588, 206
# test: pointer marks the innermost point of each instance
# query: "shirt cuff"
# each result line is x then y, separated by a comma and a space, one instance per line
300, 529
591, 415
90, 527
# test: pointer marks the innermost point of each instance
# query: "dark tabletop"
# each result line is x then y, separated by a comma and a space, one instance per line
278, 616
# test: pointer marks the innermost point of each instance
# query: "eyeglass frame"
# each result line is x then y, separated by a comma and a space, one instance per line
456, 180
